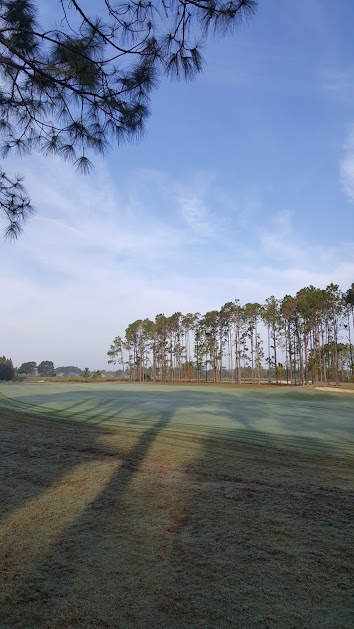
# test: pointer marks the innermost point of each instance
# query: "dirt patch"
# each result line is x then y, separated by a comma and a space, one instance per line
208, 482
335, 389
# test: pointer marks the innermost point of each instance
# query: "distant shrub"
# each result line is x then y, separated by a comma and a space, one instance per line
19, 377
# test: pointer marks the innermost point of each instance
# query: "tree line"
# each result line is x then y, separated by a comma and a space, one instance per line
301, 339
46, 369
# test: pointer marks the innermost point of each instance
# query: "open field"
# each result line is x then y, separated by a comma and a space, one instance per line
162, 506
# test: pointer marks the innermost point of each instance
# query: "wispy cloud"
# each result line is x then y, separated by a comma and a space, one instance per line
338, 82
347, 166
195, 214
275, 238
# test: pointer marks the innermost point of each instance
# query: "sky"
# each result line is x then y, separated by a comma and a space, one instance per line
242, 188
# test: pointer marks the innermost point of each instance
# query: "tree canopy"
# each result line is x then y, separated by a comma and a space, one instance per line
73, 89
46, 368
86, 373
69, 370
7, 371
28, 368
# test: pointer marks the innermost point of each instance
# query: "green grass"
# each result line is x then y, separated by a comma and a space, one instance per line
163, 506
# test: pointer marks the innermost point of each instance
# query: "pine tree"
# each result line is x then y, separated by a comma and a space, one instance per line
72, 90
7, 371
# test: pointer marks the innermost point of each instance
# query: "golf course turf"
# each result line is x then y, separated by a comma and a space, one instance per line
126, 505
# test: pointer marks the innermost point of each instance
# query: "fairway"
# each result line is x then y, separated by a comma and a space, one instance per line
127, 505
291, 417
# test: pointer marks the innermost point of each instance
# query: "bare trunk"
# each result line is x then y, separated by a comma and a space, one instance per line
335, 340
269, 354
275, 355
306, 358
350, 346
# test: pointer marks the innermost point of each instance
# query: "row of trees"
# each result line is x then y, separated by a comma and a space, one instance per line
300, 339
45, 368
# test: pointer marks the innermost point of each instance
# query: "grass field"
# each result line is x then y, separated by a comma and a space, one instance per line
161, 506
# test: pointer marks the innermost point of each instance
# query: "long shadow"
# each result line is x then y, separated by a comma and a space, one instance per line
220, 414
36, 452
120, 563
268, 547
300, 414
69, 557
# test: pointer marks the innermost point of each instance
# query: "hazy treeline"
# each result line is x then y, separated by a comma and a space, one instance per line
46, 369
301, 339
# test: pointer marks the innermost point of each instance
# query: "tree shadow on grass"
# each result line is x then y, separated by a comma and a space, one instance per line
200, 411
158, 549
47, 444
270, 546
78, 500
36, 452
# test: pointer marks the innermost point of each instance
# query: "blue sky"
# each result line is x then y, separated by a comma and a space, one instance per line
243, 187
